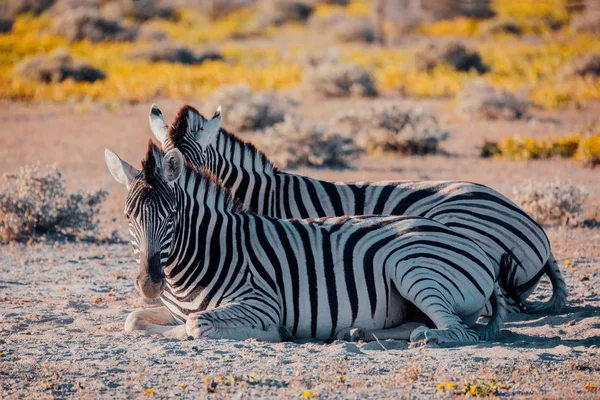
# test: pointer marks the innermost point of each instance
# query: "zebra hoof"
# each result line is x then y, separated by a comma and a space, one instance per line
352, 335
423, 336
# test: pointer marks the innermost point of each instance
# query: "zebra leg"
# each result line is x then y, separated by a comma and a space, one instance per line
230, 322
156, 321
401, 332
450, 327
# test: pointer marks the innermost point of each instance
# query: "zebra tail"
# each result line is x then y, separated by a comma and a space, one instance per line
558, 301
491, 332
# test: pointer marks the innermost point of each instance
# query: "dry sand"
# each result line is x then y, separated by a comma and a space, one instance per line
63, 305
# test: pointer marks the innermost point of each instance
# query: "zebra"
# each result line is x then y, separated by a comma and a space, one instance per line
223, 272
487, 217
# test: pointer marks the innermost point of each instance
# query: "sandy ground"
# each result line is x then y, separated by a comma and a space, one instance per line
63, 305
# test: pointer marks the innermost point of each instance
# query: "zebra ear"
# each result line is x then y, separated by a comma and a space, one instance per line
212, 126
119, 169
158, 124
172, 165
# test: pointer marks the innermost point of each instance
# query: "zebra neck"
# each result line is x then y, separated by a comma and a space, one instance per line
244, 170
203, 242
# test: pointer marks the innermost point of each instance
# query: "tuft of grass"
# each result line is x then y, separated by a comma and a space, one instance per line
392, 129
354, 30
246, 110
35, 202
175, 53
88, 23
297, 142
552, 202
340, 80
475, 388
481, 100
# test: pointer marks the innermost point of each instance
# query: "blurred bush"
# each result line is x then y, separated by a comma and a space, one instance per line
552, 202
451, 53
279, 12
244, 110
354, 30
479, 99
11, 8
389, 128
584, 148
588, 22
34, 202
333, 79
297, 142
585, 65
87, 23
175, 53
57, 67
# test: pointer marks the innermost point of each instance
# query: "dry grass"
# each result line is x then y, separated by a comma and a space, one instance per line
332, 79
34, 202
588, 22
552, 202
390, 128
587, 65
245, 110
297, 142
57, 67
279, 12
481, 100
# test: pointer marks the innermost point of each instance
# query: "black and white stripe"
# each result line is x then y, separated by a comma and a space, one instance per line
235, 274
480, 213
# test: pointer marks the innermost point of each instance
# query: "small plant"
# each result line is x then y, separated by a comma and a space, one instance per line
333, 79
478, 99
475, 388
552, 202
455, 54
296, 142
392, 129
57, 67
167, 52
245, 110
34, 202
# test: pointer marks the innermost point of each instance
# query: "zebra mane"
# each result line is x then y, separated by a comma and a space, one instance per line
151, 164
248, 146
213, 186
180, 126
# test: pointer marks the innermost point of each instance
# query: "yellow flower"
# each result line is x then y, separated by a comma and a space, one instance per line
341, 377
450, 385
206, 378
567, 262
148, 391
182, 385
441, 386
308, 394
473, 390
591, 387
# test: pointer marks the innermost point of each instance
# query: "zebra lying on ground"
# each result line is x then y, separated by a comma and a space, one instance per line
222, 272
491, 220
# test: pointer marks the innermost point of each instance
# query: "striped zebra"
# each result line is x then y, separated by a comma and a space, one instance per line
491, 220
222, 272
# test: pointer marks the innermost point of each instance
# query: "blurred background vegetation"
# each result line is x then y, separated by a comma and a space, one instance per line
491, 59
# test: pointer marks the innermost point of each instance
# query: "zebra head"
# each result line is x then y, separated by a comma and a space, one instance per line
190, 132
150, 210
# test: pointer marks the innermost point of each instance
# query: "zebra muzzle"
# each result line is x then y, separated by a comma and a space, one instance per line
151, 280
